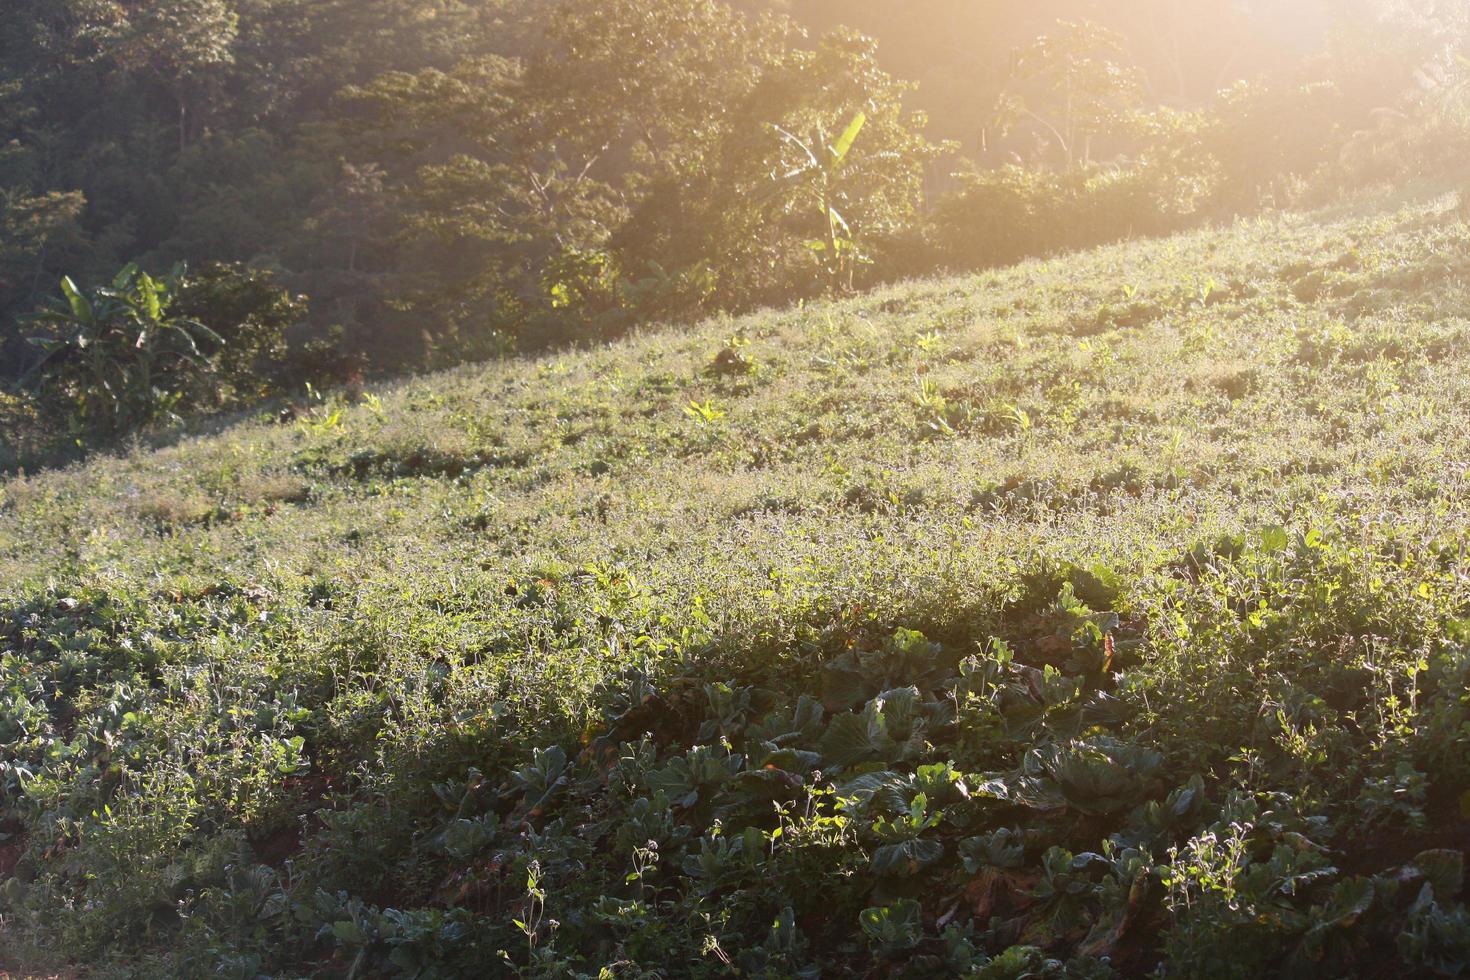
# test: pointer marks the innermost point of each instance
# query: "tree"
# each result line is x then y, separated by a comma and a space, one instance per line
178, 42
246, 314
38, 233
636, 166
484, 197
754, 214
118, 357
1075, 81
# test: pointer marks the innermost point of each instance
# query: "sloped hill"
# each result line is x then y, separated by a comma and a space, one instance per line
1109, 610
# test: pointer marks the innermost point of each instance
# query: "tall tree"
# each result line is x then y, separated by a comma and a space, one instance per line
1076, 81
633, 166
179, 43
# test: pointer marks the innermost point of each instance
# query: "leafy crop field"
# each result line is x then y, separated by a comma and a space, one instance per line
1106, 615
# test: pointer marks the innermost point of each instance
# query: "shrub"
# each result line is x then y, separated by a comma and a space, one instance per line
250, 314
1256, 146
1261, 135
119, 357
1004, 215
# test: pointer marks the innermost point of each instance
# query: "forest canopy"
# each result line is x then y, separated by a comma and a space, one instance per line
430, 183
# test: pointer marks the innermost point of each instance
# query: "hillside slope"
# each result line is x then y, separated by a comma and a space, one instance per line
1108, 610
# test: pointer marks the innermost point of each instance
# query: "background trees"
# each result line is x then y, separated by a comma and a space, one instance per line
448, 180
633, 164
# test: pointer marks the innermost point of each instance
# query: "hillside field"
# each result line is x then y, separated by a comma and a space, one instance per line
1107, 615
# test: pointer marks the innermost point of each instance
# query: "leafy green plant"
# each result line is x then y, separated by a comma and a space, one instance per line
705, 412
1330, 936
1067, 888
813, 172
904, 851
250, 313
892, 929
1094, 776
1004, 849
119, 356
1436, 936
938, 414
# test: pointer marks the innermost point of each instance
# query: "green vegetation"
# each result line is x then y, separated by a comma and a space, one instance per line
118, 357
452, 181
144, 351
1105, 614
1098, 616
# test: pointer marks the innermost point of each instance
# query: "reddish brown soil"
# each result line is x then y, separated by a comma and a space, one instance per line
10, 852
277, 846
1449, 828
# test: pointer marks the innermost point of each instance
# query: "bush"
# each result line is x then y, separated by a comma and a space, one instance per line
1262, 135
250, 314
118, 357
1257, 146
1004, 215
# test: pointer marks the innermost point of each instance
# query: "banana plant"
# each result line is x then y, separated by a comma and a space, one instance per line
814, 175
117, 356
1447, 89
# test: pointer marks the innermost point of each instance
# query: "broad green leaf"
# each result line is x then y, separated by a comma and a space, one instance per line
151, 304
81, 307
838, 221
1274, 539
886, 791
1350, 899
1444, 869
1004, 848
1349, 902
849, 135
546, 776
906, 858
851, 739
846, 682
347, 931
896, 926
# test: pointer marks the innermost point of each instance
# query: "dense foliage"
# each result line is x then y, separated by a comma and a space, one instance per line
116, 358
482, 175
630, 170
452, 180
1102, 616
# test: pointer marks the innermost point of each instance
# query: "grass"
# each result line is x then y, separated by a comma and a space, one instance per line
1102, 615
